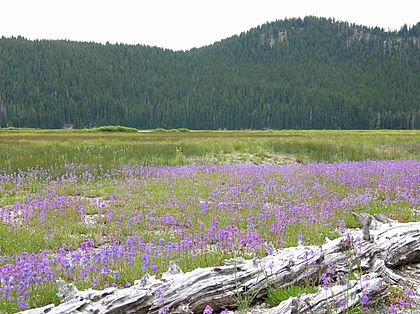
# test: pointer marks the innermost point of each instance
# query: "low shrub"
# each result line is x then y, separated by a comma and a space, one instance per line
114, 128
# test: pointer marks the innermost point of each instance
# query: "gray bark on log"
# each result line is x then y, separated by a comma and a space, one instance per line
390, 245
335, 299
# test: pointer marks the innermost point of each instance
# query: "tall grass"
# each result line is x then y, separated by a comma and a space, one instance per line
23, 149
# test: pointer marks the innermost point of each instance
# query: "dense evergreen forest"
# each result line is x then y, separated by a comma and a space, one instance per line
310, 73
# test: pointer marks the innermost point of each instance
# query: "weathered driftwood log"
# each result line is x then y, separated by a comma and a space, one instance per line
336, 299
389, 245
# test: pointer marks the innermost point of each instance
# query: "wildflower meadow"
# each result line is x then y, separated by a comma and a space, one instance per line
102, 227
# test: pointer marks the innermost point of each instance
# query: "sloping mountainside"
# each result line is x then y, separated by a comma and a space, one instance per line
310, 73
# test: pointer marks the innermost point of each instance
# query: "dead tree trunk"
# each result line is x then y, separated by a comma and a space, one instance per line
377, 251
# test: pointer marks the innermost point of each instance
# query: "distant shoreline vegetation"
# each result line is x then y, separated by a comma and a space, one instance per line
105, 128
118, 128
126, 129
112, 128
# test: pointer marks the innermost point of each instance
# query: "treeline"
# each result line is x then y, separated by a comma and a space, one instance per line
310, 73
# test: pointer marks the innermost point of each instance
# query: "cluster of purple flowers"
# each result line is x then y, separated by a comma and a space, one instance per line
407, 302
151, 215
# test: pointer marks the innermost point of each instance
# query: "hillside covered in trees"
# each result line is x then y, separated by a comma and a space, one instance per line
310, 73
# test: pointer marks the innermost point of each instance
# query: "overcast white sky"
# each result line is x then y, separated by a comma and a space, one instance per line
183, 24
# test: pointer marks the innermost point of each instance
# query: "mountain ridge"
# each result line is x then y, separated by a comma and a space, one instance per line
408, 28
294, 73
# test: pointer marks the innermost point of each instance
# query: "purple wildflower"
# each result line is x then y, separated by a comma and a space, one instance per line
365, 302
409, 293
208, 310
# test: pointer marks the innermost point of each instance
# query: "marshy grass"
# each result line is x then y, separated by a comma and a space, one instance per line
24, 149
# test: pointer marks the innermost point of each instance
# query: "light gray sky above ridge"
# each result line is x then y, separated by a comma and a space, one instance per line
183, 24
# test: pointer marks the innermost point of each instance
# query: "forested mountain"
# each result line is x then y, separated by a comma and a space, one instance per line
295, 73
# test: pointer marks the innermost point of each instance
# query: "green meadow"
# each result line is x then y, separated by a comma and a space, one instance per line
23, 149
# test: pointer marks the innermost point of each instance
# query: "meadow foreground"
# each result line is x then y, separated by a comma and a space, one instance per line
109, 229
103, 209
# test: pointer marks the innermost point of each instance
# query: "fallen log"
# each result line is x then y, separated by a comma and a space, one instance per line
376, 251
336, 299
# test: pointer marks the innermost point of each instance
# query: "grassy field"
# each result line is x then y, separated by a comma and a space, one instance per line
102, 209
25, 149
